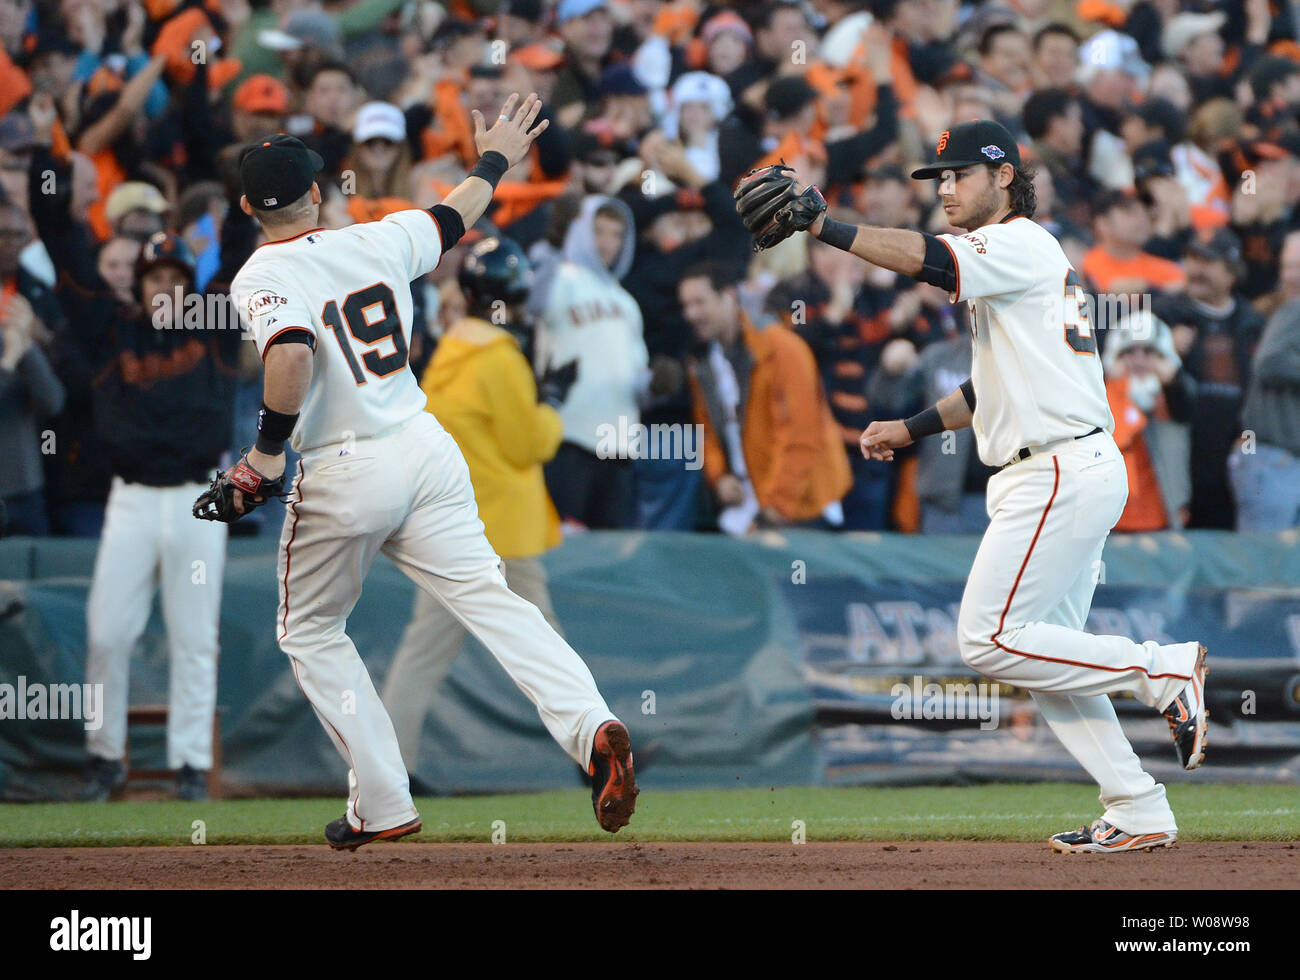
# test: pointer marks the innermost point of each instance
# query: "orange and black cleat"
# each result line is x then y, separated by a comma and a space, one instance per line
342, 836
613, 783
1105, 838
1188, 717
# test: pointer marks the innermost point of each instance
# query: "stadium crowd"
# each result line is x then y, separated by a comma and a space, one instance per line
1163, 138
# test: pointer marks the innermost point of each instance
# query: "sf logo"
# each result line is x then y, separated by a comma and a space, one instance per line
943, 142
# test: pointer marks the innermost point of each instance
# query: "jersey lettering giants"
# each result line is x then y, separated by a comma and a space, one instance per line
1035, 369
350, 289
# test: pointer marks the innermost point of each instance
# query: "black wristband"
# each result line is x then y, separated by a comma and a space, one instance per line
273, 428
451, 225
491, 166
968, 391
924, 424
838, 233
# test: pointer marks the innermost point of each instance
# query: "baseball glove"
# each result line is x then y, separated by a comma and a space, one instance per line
771, 207
217, 502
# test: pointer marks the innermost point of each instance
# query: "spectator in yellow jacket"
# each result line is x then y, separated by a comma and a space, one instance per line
481, 388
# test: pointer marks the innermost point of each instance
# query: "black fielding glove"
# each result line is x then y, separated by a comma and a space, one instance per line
217, 502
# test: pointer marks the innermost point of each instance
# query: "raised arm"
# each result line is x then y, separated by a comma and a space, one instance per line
773, 206
500, 148
128, 106
899, 249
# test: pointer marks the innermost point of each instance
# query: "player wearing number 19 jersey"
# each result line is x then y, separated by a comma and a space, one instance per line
379, 474
349, 289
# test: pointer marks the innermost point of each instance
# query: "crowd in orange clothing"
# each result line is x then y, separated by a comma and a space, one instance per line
1163, 135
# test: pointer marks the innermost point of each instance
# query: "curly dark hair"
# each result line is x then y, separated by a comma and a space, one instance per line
1024, 199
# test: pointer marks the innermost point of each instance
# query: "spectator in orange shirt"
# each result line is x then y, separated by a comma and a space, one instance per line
1151, 398
1118, 264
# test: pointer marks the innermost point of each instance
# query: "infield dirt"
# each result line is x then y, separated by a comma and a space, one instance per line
1235, 865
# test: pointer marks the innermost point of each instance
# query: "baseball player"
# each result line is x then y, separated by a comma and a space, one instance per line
1037, 403
331, 313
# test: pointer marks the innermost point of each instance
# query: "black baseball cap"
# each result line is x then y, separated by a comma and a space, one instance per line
1222, 246
1115, 197
969, 143
1152, 159
1155, 111
278, 170
788, 95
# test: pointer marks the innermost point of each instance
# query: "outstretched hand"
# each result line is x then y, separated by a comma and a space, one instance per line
881, 439
513, 132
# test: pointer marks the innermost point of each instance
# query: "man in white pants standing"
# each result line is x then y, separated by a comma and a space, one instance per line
330, 312
1041, 416
163, 399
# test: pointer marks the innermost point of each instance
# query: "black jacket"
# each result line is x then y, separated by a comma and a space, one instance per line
155, 404
1220, 364
654, 277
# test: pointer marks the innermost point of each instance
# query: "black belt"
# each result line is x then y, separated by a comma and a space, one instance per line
1025, 453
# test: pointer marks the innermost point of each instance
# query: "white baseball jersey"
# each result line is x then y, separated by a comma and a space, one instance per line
349, 288
1035, 369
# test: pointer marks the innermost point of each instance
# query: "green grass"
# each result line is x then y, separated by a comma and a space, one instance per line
991, 812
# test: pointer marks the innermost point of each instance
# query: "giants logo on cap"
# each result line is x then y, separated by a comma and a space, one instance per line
943, 142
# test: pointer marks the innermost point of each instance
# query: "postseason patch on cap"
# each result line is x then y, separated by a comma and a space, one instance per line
992, 152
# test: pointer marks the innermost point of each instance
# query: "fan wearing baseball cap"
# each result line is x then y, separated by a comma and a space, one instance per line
588, 32
379, 162
259, 107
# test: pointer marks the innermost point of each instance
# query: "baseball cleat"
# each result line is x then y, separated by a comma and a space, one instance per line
341, 835
191, 784
105, 780
1189, 719
613, 783
1106, 838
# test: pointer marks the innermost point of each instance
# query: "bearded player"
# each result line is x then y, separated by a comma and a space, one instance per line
1038, 406
331, 314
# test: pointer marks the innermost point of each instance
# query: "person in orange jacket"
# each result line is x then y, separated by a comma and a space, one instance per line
772, 451
481, 388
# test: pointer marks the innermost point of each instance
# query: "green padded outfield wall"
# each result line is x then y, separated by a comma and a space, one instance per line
769, 660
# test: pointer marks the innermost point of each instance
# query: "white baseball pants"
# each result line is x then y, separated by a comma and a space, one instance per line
430, 644
407, 493
151, 539
1026, 603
